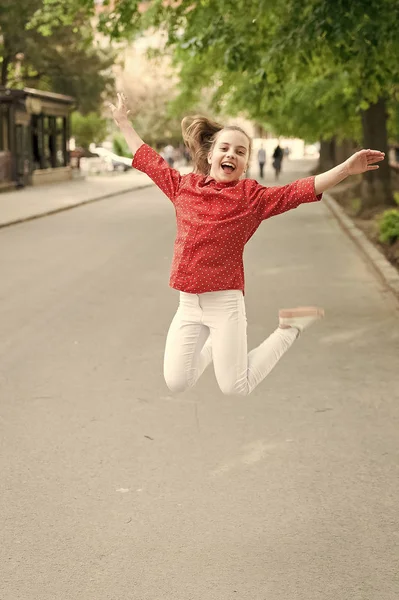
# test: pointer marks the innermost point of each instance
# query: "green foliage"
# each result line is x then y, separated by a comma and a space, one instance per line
304, 67
118, 20
355, 206
88, 129
389, 226
120, 146
393, 118
63, 58
51, 14
308, 67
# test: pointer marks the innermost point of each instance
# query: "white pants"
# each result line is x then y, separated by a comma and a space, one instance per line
213, 326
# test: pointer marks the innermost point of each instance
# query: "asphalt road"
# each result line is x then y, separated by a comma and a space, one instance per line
112, 488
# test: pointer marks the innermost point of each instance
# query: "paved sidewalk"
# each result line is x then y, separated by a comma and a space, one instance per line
32, 202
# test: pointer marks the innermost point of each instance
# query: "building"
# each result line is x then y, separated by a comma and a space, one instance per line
34, 137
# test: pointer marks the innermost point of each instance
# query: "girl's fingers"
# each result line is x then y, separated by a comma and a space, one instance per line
372, 159
372, 167
121, 103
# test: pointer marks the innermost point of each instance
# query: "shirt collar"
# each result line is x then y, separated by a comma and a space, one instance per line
210, 180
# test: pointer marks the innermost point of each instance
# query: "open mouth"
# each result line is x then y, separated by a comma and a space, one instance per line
228, 167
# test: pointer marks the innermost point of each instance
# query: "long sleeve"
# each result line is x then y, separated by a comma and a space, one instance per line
152, 164
266, 202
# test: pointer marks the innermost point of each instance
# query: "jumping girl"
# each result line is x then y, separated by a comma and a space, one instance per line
217, 212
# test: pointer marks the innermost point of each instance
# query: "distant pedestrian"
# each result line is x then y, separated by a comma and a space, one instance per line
217, 212
169, 154
277, 160
261, 160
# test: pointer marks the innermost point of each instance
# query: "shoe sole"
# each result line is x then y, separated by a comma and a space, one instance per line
303, 311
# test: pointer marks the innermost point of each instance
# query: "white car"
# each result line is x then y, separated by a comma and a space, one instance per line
119, 163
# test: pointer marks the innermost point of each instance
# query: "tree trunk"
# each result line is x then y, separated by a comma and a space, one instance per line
376, 187
7, 59
327, 155
4, 70
344, 150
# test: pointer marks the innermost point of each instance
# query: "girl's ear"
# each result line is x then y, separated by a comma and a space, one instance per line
209, 158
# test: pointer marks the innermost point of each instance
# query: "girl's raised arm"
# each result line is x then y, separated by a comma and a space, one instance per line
147, 160
120, 114
360, 162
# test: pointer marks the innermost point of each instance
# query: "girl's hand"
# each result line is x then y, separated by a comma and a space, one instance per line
362, 161
120, 112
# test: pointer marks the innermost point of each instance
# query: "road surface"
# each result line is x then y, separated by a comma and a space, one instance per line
112, 488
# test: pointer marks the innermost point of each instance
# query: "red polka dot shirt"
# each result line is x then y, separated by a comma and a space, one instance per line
215, 220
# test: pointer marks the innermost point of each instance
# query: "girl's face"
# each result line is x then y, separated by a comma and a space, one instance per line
229, 155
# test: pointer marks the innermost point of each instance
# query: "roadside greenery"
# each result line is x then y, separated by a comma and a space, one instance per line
120, 146
389, 226
88, 129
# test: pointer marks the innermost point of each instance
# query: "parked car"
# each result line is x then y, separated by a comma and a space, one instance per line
119, 163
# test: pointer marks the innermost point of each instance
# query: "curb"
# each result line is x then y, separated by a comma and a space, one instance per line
54, 211
382, 266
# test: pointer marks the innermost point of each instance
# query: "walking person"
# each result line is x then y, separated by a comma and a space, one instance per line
277, 160
217, 211
261, 160
169, 154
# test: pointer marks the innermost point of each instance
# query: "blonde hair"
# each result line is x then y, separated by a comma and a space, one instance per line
200, 135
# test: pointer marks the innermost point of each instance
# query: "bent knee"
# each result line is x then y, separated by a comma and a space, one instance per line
176, 382
233, 388
176, 386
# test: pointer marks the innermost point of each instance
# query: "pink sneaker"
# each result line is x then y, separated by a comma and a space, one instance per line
300, 318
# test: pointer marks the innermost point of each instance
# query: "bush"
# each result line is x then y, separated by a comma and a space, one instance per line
88, 129
389, 226
120, 146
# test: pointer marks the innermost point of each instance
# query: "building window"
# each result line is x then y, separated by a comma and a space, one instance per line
49, 142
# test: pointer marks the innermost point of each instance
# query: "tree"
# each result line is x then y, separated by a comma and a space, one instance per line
362, 40
274, 48
88, 129
13, 20
63, 59
266, 44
